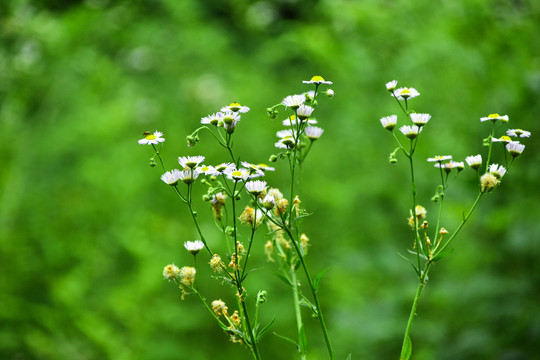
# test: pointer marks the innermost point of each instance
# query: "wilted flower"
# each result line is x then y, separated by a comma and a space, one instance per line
219, 307
216, 264
171, 271
187, 275
488, 182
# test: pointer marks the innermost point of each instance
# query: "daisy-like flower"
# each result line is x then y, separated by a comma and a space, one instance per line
171, 272
303, 112
285, 133
291, 121
447, 167
515, 148
495, 117
224, 167
285, 143
405, 93
265, 167
313, 132
208, 170
317, 80
253, 169
256, 187
171, 177
518, 133
194, 246
237, 174
440, 158
235, 107
213, 119
389, 122
269, 202
190, 162
504, 139
294, 101
410, 131
474, 161
420, 119
391, 85
229, 117
189, 176
497, 170
152, 139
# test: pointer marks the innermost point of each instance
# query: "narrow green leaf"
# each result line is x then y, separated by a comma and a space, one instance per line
284, 279
302, 340
349, 357
265, 329
407, 349
443, 254
317, 280
286, 339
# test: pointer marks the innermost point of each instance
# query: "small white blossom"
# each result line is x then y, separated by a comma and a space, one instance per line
518, 133
189, 176
171, 177
265, 167
440, 158
504, 139
495, 117
291, 121
405, 93
515, 148
285, 143
213, 119
420, 119
474, 161
208, 170
224, 167
497, 170
303, 112
152, 139
313, 132
190, 161
284, 133
410, 131
235, 107
294, 101
391, 85
317, 80
238, 174
389, 122
256, 187
194, 246
330, 93
254, 170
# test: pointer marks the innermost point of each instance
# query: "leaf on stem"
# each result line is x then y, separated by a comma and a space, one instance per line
286, 339
439, 256
302, 340
284, 279
407, 349
264, 330
317, 280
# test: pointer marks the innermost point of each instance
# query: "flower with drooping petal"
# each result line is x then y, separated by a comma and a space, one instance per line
405, 93
152, 139
495, 117
235, 107
389, 122
303, 112
171, 177
294, 101
284, 133
224, 167
213, 119
194, 246
518, 133
253, 169
188, 176
190, 162
410, 131
265, 167
474, 161
420, 119
391, 85
497, 170
317, 80
313, 132
515, 148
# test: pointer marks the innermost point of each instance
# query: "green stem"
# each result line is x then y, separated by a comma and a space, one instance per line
299, 323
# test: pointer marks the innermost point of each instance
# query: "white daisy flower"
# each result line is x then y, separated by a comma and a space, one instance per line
208, 170
518, 133
474, 161
515, 148
405, 93
291, 121
265, 167
420, 119
389, 122
313, 132
410, 131
440, 158
294, 101
253, 169
497, 170
224, 167
238, 174
451, 165
391, 85
256, 187
194, 246
229, 117
235, 107
189, 176
284, 133
303, 112
504, 139
495, 117
171, 177
285, 143
317, 80
213, 119
190, 161
152, 139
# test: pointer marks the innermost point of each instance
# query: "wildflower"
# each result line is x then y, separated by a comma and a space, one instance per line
391, 85
440, 158
224, 167
474, 161
187, 275
497, 170
303, 112
330, 93
410, 131
237, 174
218, 201
248, 216
285, 133
171, 272
265, 167
189, 176
389, 122
313, 132
230, 119
285, 143
420, 213
447, 167
518, 133
291, 121
208, 170
515, 149
268, 202
254, 170
219, 307
256, 187
317, 80
235, 318
171, 177
504, 139
420, 119
235, 107
294, 101
213, 119
152, 139
405, 93
190, 161
281, 206
304, 242
194, 246
275, 193
495, 117
216, 264
488, 182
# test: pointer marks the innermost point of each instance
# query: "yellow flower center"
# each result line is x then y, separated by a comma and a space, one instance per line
235, 104
317, 78
506, 138
150, 137
493, 115
405, 92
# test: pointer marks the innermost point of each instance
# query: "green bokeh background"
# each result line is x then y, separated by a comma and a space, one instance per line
86, 226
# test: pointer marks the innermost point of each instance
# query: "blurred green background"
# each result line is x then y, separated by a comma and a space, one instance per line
86, 225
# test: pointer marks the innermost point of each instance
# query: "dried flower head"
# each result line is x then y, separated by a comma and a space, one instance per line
187, 275
488, 182
171, 272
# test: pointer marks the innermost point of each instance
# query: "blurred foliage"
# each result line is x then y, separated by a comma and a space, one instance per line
86, 226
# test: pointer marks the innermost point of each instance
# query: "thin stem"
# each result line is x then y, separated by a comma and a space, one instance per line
299, 323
